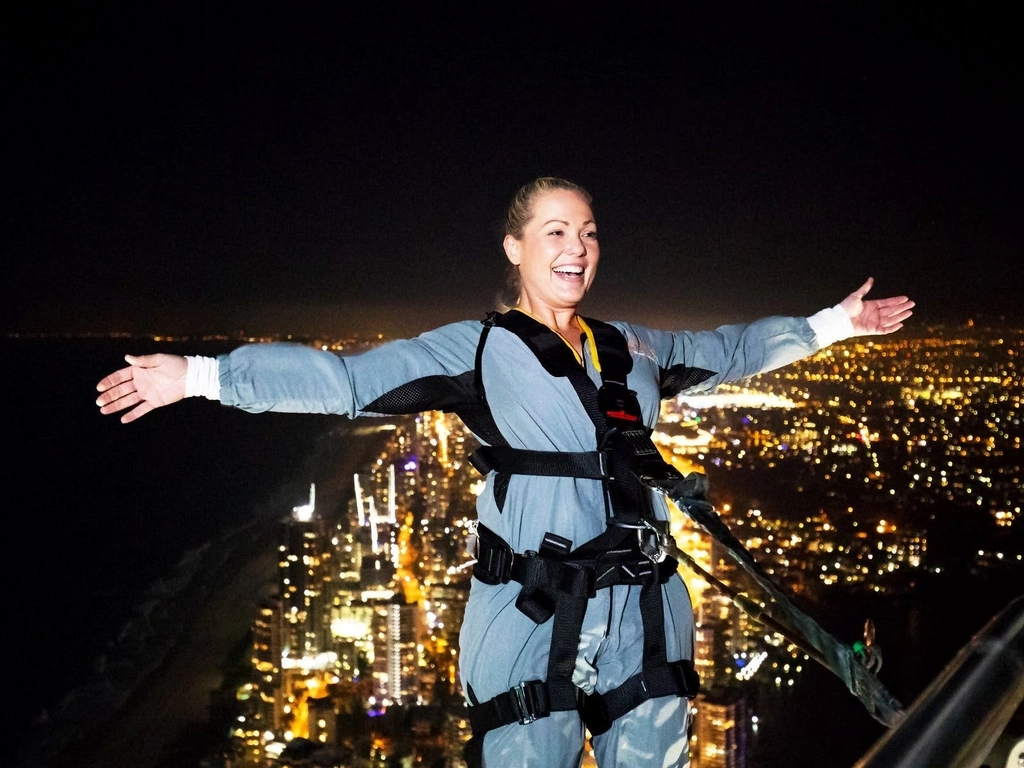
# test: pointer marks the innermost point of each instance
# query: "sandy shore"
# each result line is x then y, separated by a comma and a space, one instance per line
175, 698
172, 703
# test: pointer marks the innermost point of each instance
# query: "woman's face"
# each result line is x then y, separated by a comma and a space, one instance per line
558, 253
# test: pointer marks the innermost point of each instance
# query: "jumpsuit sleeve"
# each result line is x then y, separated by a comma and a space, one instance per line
293, 378
731, 352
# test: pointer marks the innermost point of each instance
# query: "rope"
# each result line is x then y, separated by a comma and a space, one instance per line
690, 494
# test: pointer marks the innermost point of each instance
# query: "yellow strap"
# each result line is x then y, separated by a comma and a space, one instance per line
591, 344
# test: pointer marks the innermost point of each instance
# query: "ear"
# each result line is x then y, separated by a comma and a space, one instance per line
511, 246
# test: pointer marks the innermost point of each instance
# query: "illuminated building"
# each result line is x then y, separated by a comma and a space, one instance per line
722, 726
267, 692
402, 660
305, 578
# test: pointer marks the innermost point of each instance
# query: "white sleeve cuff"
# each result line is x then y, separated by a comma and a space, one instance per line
202, 377
831, 325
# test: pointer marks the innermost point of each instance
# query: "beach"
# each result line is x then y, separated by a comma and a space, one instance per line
173, 700
149, 548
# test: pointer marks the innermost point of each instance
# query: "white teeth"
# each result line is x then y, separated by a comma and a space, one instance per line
569, 270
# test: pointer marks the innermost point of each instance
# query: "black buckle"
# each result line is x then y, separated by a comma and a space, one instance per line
525, 704
494, 563
619, 404
647, 461
686, 678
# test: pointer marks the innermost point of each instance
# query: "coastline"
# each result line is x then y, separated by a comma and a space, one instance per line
162, 719
174, 698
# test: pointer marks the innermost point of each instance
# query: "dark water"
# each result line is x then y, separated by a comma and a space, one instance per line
103, 520
106, 519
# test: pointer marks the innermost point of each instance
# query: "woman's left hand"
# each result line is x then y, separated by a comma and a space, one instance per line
876, 316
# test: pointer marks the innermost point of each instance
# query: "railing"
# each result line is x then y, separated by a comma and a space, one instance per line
957, 720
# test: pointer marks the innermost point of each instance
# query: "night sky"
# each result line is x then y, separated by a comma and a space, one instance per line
337, 171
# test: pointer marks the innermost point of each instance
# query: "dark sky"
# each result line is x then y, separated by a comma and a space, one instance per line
344, 170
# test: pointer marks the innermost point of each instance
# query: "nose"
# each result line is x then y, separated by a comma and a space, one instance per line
575, 247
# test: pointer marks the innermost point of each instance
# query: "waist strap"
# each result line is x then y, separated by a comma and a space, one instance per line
548, 574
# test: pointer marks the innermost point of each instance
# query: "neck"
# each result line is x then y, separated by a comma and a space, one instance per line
561, 321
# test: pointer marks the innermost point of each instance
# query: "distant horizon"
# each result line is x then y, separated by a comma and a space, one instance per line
408, 321
369, 334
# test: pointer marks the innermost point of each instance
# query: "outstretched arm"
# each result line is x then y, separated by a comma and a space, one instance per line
148, 382
735, 352
417, 374
876, 316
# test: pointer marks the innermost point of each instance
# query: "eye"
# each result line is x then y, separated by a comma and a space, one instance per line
590, 235
555, 232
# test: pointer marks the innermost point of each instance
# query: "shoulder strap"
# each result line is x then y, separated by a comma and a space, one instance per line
614, 402
612, 351
550, 349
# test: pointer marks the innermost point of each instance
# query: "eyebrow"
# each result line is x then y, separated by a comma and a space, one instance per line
566, 223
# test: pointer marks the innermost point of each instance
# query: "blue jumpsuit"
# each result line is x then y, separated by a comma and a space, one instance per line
499, 646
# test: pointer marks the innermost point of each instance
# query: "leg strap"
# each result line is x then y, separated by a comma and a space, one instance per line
676, 679
657, 676
523, 704
557, 585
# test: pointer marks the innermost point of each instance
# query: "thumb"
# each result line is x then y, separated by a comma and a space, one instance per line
862, 291
143, 361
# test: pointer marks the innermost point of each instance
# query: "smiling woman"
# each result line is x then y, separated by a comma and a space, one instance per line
573, 623
555, 253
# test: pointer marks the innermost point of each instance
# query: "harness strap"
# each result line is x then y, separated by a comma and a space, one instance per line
677, 678
519, 461
523, 704
642, 455
557, 585
617, 556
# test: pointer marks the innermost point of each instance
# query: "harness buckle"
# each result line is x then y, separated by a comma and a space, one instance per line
523, 703
652, 542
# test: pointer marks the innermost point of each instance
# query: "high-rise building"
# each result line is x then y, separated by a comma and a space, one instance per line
722, 726
402, 656
305, 580
267, 694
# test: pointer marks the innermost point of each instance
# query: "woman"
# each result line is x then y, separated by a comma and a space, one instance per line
571, 617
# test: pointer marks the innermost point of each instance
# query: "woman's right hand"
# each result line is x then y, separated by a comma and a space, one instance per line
149, 381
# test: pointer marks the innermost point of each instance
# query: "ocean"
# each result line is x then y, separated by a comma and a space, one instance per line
109, 523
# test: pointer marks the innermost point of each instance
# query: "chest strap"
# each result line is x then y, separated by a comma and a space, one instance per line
519, 461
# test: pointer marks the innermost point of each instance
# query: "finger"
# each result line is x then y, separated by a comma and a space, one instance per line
117, 377
116, 393
893, 301
896, 309
144, 408
130, 399
145, 361
899, 317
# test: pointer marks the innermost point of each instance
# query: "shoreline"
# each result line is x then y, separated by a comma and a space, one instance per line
211, 616
175, 697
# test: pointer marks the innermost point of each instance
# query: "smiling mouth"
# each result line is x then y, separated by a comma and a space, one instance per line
569, 271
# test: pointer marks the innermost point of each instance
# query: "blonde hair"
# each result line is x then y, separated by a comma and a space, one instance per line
519, 213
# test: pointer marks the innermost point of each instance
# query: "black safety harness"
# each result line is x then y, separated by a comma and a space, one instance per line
557, 581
